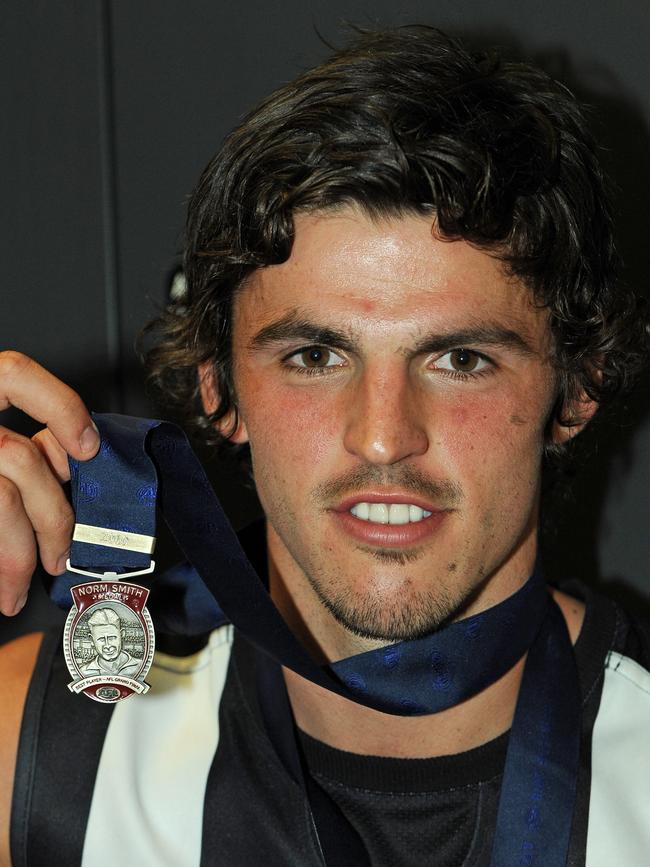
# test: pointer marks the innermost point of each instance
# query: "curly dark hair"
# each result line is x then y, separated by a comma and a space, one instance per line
399, 122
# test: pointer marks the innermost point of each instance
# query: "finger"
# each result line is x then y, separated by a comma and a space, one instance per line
55, 455
42, 498
17, 550
28, 386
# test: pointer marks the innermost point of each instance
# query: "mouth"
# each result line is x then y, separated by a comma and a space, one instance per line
388, 519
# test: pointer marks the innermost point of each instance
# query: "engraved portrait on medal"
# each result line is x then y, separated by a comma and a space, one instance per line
109, 640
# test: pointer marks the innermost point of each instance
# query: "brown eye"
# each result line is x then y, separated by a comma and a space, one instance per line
462, 363
464, 360
315, 357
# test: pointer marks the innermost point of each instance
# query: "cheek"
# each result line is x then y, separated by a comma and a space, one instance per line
488, 437
289, 426
496, 459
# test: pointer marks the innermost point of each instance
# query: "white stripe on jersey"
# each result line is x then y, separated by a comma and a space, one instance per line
147, 807
619, 821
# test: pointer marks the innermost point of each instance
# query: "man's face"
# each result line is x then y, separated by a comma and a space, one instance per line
384, 375
107, 640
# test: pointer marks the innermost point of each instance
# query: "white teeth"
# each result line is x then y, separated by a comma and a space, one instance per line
378, 513
415, 513
398, 513
383, 513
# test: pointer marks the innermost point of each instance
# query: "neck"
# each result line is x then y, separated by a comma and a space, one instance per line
110, 664
358, 729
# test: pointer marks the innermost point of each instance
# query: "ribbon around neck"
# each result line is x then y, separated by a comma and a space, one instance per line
143, 461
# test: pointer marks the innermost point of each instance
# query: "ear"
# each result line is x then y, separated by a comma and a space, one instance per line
210, 400
578, 413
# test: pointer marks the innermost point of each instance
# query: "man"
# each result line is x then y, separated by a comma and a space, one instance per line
402, 298
106, 634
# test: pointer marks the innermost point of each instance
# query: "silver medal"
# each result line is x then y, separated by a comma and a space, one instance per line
108, 639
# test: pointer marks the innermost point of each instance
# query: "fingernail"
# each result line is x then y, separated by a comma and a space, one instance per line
20, 604
62, 563
89, 439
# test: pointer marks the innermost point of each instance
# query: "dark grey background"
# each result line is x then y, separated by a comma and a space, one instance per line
110, 111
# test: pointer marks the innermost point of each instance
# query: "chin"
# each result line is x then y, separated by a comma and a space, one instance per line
397, 615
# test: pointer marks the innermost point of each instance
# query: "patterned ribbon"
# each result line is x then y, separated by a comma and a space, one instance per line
142, 461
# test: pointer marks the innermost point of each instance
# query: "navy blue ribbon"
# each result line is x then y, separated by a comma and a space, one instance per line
143, 459
540, 777
117, 490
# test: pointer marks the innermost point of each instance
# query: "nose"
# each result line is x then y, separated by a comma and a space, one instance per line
385, 420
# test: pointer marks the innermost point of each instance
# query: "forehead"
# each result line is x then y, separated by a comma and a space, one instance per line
385, 271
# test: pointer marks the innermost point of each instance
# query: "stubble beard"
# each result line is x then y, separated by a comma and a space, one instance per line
408, 615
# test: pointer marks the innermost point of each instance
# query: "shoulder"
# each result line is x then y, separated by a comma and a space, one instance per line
17, 661
607, 619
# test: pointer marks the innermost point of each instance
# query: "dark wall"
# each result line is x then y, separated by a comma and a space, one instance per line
111, 110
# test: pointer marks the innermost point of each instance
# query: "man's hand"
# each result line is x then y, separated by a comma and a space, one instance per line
34, 512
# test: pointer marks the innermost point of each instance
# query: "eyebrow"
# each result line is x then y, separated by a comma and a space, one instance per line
294, 326
488, 334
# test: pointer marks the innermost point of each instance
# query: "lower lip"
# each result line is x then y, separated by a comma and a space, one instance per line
389, 535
